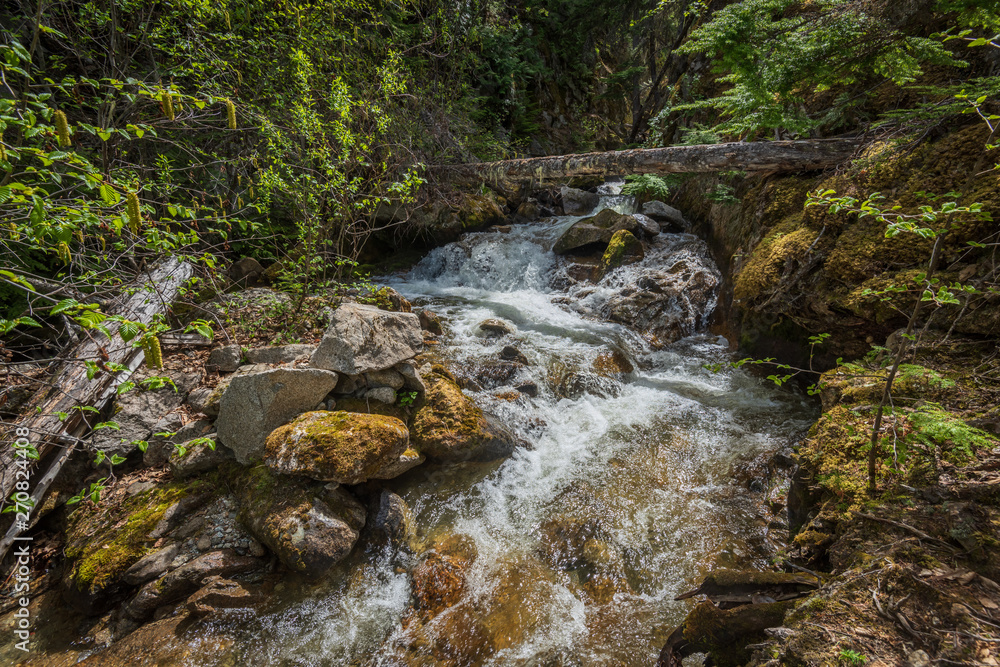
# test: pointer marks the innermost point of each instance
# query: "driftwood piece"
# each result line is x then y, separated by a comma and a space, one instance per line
69, 388
769, 156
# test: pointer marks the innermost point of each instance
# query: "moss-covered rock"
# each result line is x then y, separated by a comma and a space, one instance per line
624, 248
309, 526
342, 447
448, 427
595, 230
105, 540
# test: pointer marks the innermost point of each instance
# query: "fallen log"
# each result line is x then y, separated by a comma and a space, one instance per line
808, 155
70, 388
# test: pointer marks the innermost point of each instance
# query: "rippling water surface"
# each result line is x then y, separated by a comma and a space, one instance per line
646, 474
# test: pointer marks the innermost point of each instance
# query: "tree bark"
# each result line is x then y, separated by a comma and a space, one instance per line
752, 156
70, 388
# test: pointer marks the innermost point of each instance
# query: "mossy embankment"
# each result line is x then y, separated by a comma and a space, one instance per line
914, 567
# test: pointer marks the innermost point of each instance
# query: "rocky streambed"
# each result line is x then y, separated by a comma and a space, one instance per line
532, 479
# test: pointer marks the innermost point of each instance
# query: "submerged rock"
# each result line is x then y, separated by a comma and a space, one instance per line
597, 229
309, 527
362, 339
342, 447
254, 405
497, 327
449, 427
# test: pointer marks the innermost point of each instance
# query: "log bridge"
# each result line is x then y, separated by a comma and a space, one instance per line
761, 156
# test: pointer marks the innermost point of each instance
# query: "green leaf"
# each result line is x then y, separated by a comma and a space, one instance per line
109, 195
63, 306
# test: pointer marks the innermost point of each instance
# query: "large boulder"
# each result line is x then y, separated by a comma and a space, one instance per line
449, 427
362, 339
309, 527
578, 202
595, 230
342, 447
254, 405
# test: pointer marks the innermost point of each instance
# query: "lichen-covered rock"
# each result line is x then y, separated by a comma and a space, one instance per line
624, 248
254, 405
309, 527
361, 339
449, 427
595, 230
342, 447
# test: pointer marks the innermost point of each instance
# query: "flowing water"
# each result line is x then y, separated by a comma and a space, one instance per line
632, 488
635, 480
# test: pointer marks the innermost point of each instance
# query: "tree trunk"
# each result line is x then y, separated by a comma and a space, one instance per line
70, 388
755, 156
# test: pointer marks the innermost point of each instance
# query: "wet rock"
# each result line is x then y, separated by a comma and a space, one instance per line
309, 527
392, 522
439, 581
187, 579
528, 389
497, 327
159, 643
151, 566
624, 248
595, 230
564, 537
511, 353
491, 374
613, 364
361, 339
528, 210
664, 304
280, 354
648, 226
746, 587
577, 383
450, 428
218, 593
723, 634
226, 358
431, 322
198, 458
666, 216
578, 202
254, 405
342, 447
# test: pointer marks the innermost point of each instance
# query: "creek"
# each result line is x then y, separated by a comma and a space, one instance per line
634, 485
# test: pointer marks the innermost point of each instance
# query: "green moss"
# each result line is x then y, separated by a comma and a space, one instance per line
774, 257
102, 548
624, 248
346, 447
